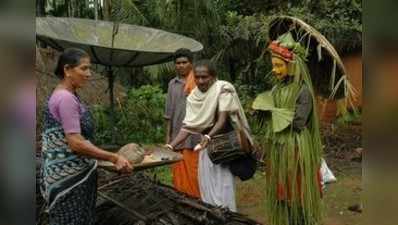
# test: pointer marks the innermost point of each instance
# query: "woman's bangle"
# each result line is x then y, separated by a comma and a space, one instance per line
169, 147
208, 137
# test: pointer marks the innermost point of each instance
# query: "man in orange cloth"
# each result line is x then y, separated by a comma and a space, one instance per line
185, 172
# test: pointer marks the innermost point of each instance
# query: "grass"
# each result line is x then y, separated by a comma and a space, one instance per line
250, 197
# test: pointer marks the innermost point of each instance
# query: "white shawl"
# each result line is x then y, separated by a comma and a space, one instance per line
202, 107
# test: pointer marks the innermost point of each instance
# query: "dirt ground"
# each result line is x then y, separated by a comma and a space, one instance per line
342, 144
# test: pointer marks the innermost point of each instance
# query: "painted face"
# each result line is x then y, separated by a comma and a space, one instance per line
203, 79
279, 68
79, 75
183, 66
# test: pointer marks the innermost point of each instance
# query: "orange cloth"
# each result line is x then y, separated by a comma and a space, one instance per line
185, 173
286, 193
189, 83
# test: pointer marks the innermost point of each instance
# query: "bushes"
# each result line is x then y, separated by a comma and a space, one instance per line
137, 118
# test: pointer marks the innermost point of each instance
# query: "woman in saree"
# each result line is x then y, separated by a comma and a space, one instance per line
69, 179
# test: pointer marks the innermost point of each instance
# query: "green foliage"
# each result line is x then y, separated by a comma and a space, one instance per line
234, 34
349, 117
138, 119
103, 124
340, 20
162, 174
240, 54
127, 11
161, 74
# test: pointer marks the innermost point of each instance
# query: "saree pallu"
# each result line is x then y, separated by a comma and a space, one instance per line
77, 207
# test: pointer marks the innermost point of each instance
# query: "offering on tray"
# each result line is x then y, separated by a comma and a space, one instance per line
144, 158
133, 152
150, 158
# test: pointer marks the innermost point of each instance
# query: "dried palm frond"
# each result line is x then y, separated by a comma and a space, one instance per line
327, 70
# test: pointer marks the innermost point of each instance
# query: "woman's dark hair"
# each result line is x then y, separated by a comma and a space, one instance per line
70, 57
183, 52
207, 63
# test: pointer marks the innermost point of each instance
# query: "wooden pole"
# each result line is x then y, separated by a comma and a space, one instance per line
111, 82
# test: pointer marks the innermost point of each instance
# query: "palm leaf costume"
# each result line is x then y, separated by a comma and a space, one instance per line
293, 187
294, 156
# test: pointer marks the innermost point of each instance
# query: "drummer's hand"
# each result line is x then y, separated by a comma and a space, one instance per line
198, 147
203, 144
123, 165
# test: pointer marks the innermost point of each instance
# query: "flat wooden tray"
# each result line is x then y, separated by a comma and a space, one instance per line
154, 156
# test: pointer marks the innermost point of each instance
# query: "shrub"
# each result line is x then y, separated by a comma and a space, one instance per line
138, 118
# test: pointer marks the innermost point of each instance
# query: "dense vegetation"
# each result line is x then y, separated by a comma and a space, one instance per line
234, 33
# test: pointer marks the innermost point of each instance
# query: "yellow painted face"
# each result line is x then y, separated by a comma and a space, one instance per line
279, 68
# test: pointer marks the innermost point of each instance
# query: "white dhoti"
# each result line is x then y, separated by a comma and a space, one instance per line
216, 183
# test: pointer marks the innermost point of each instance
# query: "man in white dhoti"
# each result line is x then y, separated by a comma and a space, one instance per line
213, 107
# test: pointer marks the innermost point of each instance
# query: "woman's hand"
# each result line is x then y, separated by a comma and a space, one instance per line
122, 164
170, 147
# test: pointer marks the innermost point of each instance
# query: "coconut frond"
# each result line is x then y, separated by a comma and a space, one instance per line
125, 11
324, 63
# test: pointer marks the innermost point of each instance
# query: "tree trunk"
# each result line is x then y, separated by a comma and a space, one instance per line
41, 7
54, 5
83, 5
107, 9
67, 7
111, 82
75, 8
232, 70
96, 9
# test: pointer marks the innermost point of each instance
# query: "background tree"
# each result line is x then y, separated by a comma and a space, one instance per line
233, 32
41, 7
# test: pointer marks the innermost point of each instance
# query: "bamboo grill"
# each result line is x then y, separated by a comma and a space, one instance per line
135, 199
139, 200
